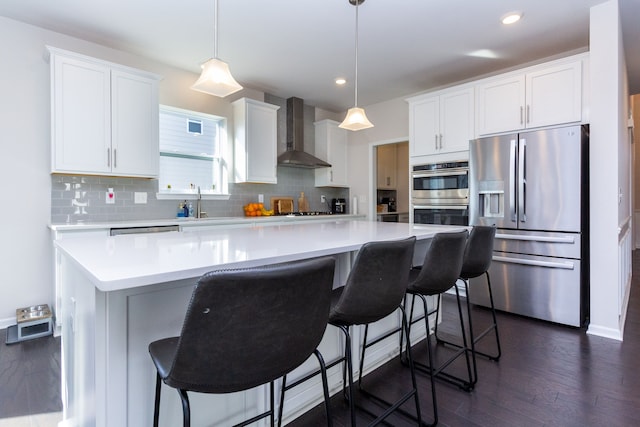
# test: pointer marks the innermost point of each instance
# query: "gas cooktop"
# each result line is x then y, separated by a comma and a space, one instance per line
312, 213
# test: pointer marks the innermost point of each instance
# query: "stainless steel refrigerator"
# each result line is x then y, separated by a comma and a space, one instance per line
534, 187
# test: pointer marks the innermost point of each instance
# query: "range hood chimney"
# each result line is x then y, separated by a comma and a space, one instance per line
295, 156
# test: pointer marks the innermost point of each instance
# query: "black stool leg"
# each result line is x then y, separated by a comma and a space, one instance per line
495, 323
397, 406
348, 362
325, 387
186, 412
434, 400
476, 339
156, 405
438, 372
280, 408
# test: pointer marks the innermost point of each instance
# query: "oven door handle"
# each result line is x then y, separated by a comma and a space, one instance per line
440, 207
439, 173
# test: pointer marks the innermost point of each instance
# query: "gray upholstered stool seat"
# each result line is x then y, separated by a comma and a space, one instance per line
245, 328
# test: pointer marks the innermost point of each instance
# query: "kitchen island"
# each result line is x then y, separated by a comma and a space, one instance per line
120, 293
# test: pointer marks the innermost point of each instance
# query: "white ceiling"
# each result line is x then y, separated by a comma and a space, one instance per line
298, 47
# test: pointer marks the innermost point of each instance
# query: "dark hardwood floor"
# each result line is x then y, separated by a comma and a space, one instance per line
549, 375
30, 382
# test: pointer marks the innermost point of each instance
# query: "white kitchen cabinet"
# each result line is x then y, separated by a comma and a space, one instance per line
386, 167
331, 146
255, 141
441, 123
543, 96
104, 117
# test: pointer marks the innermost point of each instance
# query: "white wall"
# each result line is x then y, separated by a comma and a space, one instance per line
26, 276
608, 148
391, 124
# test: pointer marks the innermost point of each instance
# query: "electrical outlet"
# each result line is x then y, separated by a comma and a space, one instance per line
110, 197
323, 199
140, 197
260, 198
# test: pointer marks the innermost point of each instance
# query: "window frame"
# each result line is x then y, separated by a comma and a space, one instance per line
225, 161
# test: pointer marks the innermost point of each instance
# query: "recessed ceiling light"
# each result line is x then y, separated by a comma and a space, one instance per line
511, 18
340, 81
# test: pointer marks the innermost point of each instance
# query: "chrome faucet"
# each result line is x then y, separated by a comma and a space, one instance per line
199, 204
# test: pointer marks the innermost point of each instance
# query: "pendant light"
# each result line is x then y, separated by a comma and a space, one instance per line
216, 79
356, 118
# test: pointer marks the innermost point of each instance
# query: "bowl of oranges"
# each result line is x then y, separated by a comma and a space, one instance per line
256, 209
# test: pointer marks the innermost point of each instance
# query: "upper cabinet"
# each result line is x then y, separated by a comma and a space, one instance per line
386, 167
442, 122
255, 126
104, 117
544, 96
331, 146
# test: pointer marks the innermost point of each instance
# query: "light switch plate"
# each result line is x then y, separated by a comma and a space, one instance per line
140, 197
110, 198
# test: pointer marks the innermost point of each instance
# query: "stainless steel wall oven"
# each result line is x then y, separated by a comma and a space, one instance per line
440, 193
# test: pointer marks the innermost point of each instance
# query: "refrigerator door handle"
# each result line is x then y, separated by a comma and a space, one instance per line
512, 180
564, 265
533, 238
461, 208
522, 181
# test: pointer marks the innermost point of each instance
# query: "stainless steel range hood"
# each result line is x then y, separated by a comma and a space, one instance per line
295, 156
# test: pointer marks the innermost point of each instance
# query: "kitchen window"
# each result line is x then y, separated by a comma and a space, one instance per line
192, 147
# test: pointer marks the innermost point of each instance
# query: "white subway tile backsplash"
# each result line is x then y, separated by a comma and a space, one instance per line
82, 198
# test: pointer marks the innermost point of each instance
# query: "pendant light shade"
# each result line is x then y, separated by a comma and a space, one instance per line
216, 79
356, 118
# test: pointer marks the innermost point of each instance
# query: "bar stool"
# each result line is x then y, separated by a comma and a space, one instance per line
375, 288
477, 260
245, 328
438, 273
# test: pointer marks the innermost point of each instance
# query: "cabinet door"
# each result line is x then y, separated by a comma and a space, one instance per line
424, 126
554, 95
81, 121
500, 105
255, 152
331, 146
386, 167
134, 115
456, 121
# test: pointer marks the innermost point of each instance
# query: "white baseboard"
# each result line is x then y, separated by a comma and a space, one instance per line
605, 332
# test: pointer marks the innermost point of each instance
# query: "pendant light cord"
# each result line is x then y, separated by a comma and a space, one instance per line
215, 29
356, 90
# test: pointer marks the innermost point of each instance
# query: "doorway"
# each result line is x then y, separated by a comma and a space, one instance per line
391, 181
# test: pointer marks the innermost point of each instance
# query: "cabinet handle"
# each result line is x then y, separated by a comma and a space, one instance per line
436, 141
115, 158
521, 116
528, 114
441, 141
108, 158
330, 176
388, 181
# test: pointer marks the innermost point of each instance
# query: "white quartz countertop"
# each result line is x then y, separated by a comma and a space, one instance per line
128, 261
188, 222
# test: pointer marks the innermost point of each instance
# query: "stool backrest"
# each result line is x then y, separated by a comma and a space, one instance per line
376, 284
442, 264
248, 327
479, 251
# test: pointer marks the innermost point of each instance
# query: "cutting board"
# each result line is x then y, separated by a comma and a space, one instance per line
282, 205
